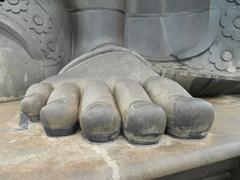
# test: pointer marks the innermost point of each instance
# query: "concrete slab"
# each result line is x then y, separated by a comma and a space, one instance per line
30, 154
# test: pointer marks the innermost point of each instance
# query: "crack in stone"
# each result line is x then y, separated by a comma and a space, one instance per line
110, 162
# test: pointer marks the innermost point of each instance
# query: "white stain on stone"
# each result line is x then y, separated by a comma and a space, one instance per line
110, 162
12, 141
25, 78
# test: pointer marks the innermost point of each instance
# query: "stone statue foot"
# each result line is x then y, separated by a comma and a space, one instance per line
111, 91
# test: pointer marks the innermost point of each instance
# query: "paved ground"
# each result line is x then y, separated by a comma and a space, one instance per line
29, 154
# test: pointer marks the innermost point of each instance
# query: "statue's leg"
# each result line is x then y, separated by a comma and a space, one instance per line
194, 42
115, 86
35, 43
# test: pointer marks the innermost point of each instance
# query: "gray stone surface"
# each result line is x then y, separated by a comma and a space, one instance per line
30, 154
105, 83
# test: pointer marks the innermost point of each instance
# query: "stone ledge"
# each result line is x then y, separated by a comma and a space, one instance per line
30, 154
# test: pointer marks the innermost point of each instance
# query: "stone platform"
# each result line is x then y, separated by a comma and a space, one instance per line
30, 154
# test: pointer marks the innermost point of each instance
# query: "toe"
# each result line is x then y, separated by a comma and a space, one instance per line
193, 118
36, 97
99, 117
187, 117
59, 117
143, 121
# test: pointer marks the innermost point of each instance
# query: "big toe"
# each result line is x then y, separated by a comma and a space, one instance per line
192, 119
187, 117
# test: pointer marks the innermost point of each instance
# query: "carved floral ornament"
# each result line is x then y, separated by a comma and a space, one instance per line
224, 55
36, 19
231, 23
53, 48
15, 6
39, 21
